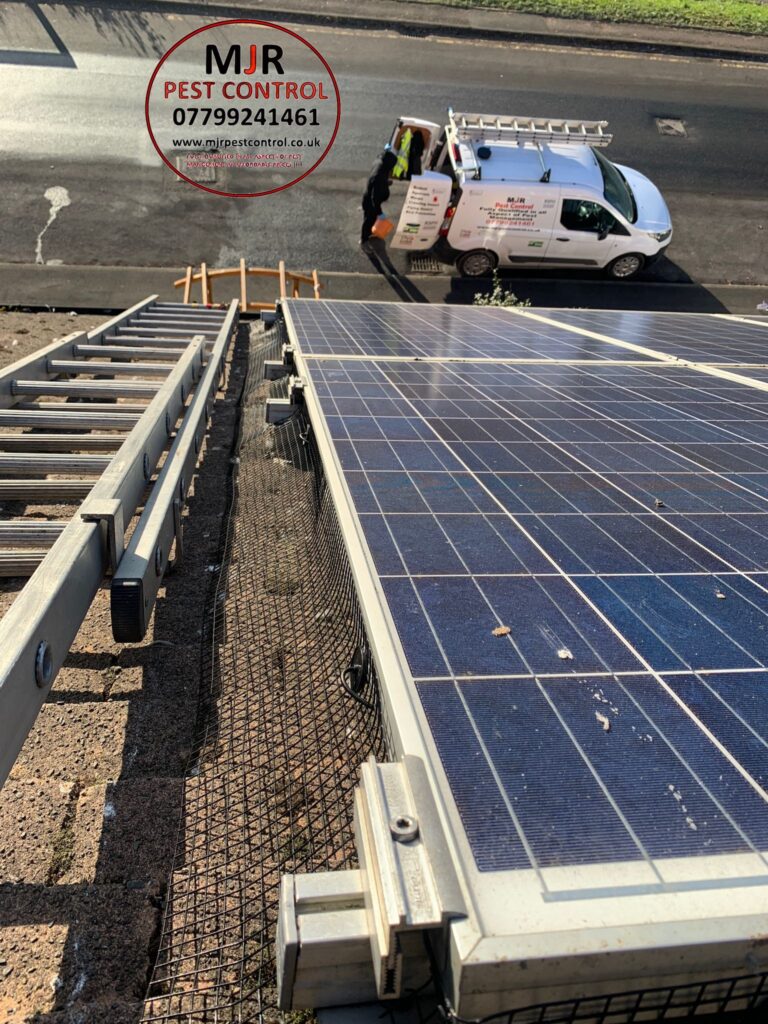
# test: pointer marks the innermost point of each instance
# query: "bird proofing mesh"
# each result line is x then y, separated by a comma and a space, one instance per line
725, 1001
280, 740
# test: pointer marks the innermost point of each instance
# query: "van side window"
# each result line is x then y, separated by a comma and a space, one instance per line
585, 215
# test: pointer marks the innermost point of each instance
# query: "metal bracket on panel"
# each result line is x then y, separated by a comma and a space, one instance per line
322, 940
274, 369
296, 390
407, 884
278, 410
109, 514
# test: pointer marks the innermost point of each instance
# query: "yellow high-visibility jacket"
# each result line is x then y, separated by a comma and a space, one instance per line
401, 167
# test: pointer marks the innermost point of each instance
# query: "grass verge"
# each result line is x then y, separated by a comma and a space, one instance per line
747, 16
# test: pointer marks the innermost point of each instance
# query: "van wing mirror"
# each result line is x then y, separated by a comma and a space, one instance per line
603, 234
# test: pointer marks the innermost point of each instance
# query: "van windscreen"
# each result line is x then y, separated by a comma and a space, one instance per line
615, 188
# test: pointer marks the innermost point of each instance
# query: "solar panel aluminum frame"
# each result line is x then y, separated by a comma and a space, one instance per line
599, 929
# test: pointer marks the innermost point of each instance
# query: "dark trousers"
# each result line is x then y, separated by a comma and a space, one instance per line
370, 214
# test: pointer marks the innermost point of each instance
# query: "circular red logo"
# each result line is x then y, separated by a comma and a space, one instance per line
243, 108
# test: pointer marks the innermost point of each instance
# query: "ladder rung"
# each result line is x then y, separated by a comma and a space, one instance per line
18, 533
126, 351
60, 443
194, 311
182, 332
96, 388
74, 420
81, 406
205, 325
19, 563
35, 463
194, 306
118, 369
135, 340
42, 492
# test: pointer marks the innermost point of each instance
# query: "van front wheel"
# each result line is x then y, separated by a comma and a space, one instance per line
477, 263
626, 266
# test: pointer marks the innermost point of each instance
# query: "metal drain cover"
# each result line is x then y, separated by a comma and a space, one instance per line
671, 126
196, 166
424, 264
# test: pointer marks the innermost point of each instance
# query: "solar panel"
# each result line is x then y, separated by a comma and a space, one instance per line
436, 332
696, 336
479, 516
571, 544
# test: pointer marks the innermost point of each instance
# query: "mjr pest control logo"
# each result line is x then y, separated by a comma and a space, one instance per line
243, 108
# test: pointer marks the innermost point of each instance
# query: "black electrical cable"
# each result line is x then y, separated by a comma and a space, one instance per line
346, 685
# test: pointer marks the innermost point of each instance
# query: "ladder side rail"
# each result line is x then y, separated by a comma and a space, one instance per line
38, 629
138, 578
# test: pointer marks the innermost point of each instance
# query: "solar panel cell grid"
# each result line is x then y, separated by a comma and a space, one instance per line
384, 330
698, 337
612, 520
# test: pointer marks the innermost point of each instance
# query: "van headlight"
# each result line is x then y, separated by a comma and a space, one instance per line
660, 236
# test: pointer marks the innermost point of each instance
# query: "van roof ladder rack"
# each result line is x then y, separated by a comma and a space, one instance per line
502, 127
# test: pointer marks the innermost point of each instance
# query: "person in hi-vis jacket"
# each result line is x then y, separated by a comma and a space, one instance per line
376, 192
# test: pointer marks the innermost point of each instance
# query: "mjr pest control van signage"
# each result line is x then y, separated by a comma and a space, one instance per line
243, 108
515, 212
423, 211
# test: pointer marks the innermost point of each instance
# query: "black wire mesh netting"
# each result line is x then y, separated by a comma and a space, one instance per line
739, 1000
280, 737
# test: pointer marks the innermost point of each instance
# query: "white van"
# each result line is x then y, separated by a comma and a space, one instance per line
500, 191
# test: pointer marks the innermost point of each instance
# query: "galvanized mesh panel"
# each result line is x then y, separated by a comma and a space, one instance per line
280, 740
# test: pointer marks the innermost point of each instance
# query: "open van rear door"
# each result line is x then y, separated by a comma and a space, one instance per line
423, 211
402, 137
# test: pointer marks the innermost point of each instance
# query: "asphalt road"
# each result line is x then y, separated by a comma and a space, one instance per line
73, 80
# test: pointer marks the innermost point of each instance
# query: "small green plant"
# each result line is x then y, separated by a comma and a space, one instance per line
498, 296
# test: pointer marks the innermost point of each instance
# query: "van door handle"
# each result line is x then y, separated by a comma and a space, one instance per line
563, 239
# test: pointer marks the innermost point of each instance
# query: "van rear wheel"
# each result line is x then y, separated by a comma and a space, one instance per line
626, 266
477, 263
